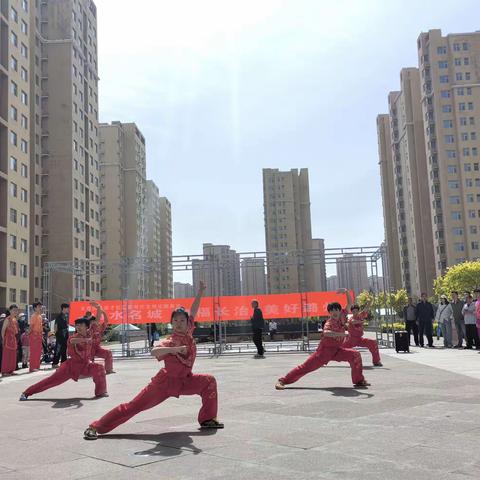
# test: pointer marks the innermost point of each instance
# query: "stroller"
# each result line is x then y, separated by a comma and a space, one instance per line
48, 342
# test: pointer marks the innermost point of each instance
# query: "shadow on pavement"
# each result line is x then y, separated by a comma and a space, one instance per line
336, 391
63, 402
169, 444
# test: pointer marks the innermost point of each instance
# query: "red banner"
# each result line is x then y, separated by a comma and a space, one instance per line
290, 305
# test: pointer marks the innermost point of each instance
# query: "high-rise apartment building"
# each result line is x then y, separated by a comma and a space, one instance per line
152, 239
450, 100
332, 283
412, 195
317, 259
388, 174
15, 147
254, 280
219, 269
68, 112
123, 197
288, 230
166, 249
183, 290
352, 273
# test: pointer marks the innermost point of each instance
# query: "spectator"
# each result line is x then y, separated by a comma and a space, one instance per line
410, 317
457, 307
470, 317
46, 333
272, 327
61, 336
22, 324
258, 324
153, 334
2, 319
477, 306
25, 341
425, 316
444, 317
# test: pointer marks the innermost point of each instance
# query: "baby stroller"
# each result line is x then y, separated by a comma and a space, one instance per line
48, 348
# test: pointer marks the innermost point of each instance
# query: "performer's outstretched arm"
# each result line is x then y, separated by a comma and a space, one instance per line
198, 298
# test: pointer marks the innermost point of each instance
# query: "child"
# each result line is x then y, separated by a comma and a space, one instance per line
78, 365
175, 379
330, 348
97, 330
25, 341
355, 335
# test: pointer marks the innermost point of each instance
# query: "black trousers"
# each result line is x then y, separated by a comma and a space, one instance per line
472, 336
411, 326
258, 341
60, 351
425, 327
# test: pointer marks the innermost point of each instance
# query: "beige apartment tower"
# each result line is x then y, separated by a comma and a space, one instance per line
388, 175
153, 241
352, 273
123, 197
412, 196
166, 247
450, 101
254, 280
288, 231
15, 150
69, 145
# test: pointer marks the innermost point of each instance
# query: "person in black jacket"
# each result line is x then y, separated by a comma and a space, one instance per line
61, 336
425, 316
258, 324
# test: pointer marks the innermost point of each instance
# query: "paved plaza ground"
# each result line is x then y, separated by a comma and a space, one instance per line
418, 420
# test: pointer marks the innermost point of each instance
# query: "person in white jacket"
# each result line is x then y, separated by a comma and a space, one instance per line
444, 318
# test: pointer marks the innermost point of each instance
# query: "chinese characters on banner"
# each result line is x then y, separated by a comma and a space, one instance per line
290, 305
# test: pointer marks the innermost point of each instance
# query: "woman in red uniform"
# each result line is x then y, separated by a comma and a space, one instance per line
97, 330
355, 335
78, 365
35, 338
175, 379
330, 348
9, 342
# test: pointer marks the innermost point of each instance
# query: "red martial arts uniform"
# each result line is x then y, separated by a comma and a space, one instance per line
36, 333
329, 348
78, 365
96, 331
355, 338
175, 379
9, 352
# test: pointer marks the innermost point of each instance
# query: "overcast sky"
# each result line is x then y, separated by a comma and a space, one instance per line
222, 89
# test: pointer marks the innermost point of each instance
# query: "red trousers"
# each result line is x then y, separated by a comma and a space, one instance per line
71, 371
9, 360
159, 389
321, 357
372, 345
107, 356
35, 351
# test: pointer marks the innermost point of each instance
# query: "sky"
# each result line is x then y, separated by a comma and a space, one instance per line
222, 89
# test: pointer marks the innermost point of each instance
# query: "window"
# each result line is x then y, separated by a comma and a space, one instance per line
14, 39
456, 47
465, 46
13, 164
472, 214
24, 74
454, 200
456, 215
443, 78
445, 93
24, 50
13, 113
462, 107
13, 215
14, 88
459, 77
458, 232
13, 268
13, 138
24, 171
463, 121
443, 64
446, 108
25, 5
448, 124
453, 184
13, 295
474, 245
470, 198
470, 105
14, 15
24, 27
23, 271
13, 189
24, 98
24, 220
467, 167
24, 122
459, 247
24, 146
23, 296
475, 151
469, 90
14, 63
468, 182
449, 139
458, 62
464, 136
460, 91
13, 241
24, 195
472, 121
23, 245
452, 169
451, 154
473, 229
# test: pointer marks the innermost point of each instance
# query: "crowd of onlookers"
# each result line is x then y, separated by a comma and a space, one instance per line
54, 342
457, 319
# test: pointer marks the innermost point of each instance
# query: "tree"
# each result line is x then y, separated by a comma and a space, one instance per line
398, 301
365, 299
463, 277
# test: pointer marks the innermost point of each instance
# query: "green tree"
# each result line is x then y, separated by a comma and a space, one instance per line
398, 301
461, 278
365, 299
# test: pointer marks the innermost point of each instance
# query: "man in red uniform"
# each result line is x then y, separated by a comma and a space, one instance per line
355, 335
175, 379
97, 330
330, 348
78, 365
